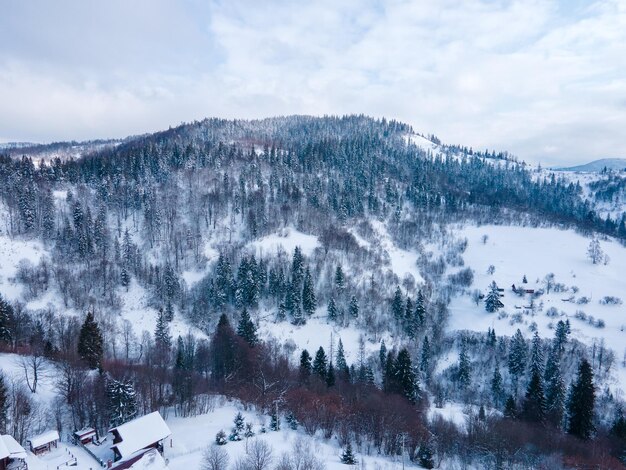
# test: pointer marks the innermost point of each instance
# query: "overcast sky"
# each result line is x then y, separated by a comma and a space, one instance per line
543, 79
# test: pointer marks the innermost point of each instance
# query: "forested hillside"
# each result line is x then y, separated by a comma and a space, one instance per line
309, 267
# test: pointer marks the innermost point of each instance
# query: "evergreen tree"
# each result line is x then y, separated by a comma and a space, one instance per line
497, 389
534, 405
517, 356
309, 302
464, 370
425, 359
491, 338
320, 363
274, 418
330, 375
382, 353
555, 388
347, 457
405, 376
125, 278
6, 318
390, 382
169, 311
237, 432
162, 336
425, 456
4, 404
342, 365
353, 309
223, 350
332, 310
409, 319
397, 305
581, 402
560, 335
220, 438
420, 312
492, 299
247, 329
122, 401
305, 365
510, 408
536, 356
340, 279
90, 342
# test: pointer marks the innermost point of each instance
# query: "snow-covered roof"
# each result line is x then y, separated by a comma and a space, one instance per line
44, 438
16, 451
140, 433
84, 432
152, 460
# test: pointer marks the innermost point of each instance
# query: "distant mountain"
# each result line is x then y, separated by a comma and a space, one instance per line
598, 165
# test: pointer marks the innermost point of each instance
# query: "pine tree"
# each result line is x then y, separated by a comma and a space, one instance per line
246, 329
332, 310
353, 309
425, 359
125, 278
497, 389
464, 371
581, 402
6, 318
320, 363
340, 279
342, 365
491, 338
237, 432
330, 375
305, 365
409, 319
90, 342
492, 300
536, 356
405, 376
382, 354
425, 456
169, 311
223, 350
347, 457
397, 305
122, 401
517, 356
534, 405
555, 388
390, 382
560, 335
309, 302
4, 404
220, 438
510, 408
419, 317
162, 336
274, 419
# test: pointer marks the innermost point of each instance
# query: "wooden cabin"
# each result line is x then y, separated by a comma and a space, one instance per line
85, 436
133, 439
44, 442
12, 454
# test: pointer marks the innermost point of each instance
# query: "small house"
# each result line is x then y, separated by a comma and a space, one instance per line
85, 436
44, 442
139, 435
12, 454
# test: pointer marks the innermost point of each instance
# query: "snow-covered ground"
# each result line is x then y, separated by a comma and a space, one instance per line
537, 252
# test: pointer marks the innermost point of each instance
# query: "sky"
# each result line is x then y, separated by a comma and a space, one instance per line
544, 80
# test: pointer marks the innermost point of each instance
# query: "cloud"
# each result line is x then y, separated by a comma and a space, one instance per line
541, 79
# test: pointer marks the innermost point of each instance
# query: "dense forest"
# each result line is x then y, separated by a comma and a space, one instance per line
142, 212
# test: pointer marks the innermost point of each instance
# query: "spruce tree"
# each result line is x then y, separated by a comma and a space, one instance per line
4, 404
405, 376
425, 456
510, 408
223, 350
309, 302
536, 356
332, 310
382, 353
425, 359
330, 375
581, 402
420, 312
90, 342
247, 329
305, 365
237, 432
517, 356
162, 336
342, 365
340, 279
6, 317
534, 405
347, 457
397, 305
464, 370
497, 389
555, 388
353, 309
492, 299
320, 363
122, 401
274, 418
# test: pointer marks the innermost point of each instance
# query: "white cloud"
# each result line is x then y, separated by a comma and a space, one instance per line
542, 79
